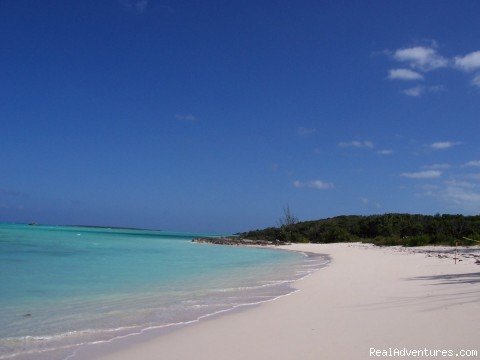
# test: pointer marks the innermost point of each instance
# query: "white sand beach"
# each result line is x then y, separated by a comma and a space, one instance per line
367, 297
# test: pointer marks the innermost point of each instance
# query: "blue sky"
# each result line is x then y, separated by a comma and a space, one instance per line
213, 115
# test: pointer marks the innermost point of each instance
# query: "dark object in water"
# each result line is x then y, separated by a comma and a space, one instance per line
27, 315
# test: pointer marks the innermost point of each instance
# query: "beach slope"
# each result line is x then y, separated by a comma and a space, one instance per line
367, 297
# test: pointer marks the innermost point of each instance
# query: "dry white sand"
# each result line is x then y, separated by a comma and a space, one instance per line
367, 297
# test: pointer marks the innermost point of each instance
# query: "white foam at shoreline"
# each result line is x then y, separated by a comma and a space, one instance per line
229, 307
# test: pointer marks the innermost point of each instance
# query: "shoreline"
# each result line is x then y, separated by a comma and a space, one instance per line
315, 319
278, 290
171, 282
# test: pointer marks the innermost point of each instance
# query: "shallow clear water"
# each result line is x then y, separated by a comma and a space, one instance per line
67, 287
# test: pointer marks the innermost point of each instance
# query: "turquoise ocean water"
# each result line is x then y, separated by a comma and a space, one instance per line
65, 288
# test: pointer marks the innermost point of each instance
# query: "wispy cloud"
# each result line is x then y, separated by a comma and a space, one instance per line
429, 188
436, 88
419, 90
385, 152
303, 131
437, 167
186, 117
404, 74
473, 163
420, 57
415, 91
427, 174
367, 202
460, 191
462, 183
475, 177
476, 80
468, 62
139, 6
357, 144
314, 184
463, 194
458, 194
442, 145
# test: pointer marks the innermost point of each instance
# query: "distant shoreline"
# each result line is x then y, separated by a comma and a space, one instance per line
238, 241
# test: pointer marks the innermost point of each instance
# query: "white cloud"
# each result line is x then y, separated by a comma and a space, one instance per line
315, 184
468, 62
442, 145
436, 88
427, 174
459, 194
303, 131
187, 117
462, 183
462, 195
476, 80
385, 152
437, 167
473, 163
420, 57
404, 74
319, 184
358, 144
364, 200
419, 90
415, 91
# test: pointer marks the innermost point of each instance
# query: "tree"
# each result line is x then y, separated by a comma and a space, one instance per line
286, 223
386, 229
288, 218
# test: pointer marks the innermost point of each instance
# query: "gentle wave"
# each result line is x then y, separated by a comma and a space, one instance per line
114, 330
206, 303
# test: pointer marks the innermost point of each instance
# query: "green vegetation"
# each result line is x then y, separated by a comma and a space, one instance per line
387, 229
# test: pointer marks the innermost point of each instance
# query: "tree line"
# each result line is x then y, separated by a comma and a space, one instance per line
386, 229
